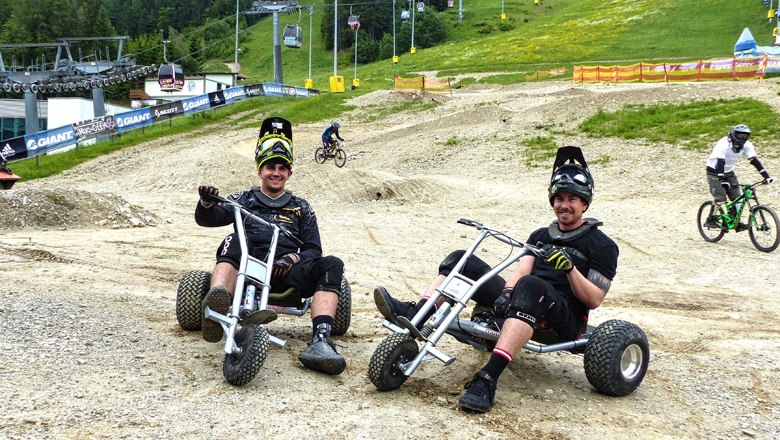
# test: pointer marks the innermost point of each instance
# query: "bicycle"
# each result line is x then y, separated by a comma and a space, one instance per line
715, 220
616, 353
335, 152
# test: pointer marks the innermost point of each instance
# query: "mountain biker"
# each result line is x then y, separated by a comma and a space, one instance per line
303, 267
555, 291
720, 168
327, 135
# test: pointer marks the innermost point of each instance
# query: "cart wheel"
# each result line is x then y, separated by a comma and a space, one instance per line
344, 310
240, 368
193, 287
341, 157
616, 357
384, 367
319, 155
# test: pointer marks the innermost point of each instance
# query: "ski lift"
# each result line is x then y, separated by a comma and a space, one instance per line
170, 77
353, 22
404, 16
293, 36
420, 7
450, 3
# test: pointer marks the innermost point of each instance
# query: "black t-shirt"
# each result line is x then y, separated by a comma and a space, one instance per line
594, 250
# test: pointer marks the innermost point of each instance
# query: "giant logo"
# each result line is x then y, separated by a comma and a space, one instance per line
54, 139
195, 104
121, 121
233, 93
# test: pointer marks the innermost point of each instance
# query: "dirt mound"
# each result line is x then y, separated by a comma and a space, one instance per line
67, 209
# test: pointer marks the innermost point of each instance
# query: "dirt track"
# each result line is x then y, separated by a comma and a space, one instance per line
90, 346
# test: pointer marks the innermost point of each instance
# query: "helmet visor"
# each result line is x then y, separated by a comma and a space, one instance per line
742, 135
569, 176
274, 147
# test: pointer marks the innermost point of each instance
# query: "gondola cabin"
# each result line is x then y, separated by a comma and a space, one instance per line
450, 3
354, 22
293, 36
404, 16
420, 7
170, 77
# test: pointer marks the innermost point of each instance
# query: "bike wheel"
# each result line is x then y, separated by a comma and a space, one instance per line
710, 223
240, 368
319, 155
764, 228
192, 289
341, 157
384, 369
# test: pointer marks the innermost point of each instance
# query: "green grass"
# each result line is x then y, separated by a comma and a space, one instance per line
539, 150
695, 125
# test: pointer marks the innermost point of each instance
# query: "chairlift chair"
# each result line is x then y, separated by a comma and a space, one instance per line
404, 16
450, 3
354, 22
293, 36
420, 7
170, 77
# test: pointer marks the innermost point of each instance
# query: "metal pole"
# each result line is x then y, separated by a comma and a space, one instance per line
393, 29
356, 53
414, 6
335, 36
502, 8
460, 10
235, 58
311, 31
277, 52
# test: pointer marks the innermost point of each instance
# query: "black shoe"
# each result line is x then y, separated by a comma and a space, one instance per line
321, 355
711, 223
391, 308
480, 393
742, 227
218, 300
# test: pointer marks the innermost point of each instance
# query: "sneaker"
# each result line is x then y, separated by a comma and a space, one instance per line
480, 393
218, 300
321, 355
711, 223
391, 308
742, 227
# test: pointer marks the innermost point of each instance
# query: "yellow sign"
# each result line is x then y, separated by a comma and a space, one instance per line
395, 59
413, 50
309, 84
770, 14
774, 32
355, 83
337, 84
503, 17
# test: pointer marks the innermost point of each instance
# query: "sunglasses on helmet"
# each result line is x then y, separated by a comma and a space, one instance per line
570, 176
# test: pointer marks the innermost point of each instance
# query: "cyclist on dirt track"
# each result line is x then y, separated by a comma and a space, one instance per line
555, 291
327, 135
304, 268
720, 168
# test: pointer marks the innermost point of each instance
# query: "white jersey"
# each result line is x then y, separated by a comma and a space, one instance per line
723, 150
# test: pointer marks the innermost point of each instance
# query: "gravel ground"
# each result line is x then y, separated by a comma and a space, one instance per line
90, 261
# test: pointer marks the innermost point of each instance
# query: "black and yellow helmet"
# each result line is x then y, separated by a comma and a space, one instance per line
571, 174
274, 146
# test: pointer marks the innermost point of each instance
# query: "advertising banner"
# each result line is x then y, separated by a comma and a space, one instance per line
13, 149
133, 119
254, 90
44, 141
94, 127
168, 110
216, 98
234, 94
195, 104
272, 89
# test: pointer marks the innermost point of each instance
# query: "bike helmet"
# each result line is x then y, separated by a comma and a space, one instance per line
274, 146
570, 176
738, 136
336, 125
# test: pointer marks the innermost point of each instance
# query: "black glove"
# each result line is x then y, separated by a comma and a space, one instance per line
725, 185
283, 265
558, 258
206, 193
501, 305
768, 180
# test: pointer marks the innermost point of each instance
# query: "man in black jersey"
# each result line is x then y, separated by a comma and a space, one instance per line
302, 267
555, 291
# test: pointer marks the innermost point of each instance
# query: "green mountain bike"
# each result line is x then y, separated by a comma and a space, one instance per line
714, 220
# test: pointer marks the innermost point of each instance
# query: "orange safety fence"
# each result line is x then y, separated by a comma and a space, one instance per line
421, 84
702, 70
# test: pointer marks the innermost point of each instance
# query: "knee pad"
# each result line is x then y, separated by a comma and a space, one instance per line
450, 261
332, 272
529, 300
229, 251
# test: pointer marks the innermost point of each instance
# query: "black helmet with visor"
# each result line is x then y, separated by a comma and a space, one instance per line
570, 174
738, 136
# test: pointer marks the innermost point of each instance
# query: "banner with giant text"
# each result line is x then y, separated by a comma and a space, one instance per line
43, 141
196, 104
94, 127
133, 119
272, 89
234, 94
13, 149
168, 110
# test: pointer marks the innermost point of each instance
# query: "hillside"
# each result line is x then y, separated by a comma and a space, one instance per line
91, 347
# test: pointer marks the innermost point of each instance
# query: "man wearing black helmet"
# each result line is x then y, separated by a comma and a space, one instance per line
720, 167
327, 135
554, 291
302, 267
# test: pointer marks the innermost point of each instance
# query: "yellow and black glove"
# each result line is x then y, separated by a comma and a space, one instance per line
558, 258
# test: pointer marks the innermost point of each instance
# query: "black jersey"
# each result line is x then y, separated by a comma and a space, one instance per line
592, 250
296, 215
